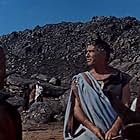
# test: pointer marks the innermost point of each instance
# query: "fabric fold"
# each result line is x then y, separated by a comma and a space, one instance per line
95, 105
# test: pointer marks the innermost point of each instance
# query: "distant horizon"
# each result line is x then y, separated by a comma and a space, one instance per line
57, 22
26, 14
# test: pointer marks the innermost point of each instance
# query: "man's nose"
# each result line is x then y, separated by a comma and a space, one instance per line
87, 54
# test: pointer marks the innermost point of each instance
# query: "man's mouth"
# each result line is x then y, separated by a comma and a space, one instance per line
88, 60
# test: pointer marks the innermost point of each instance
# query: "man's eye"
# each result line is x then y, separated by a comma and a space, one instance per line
91, 51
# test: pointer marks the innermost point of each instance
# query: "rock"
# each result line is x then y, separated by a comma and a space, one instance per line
16, 101
42, 112
57, 50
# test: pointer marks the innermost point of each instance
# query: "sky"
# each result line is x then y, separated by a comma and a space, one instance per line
18, 15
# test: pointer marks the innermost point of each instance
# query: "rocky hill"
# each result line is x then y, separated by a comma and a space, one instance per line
56, 50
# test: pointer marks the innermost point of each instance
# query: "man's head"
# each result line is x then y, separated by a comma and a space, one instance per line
97, 52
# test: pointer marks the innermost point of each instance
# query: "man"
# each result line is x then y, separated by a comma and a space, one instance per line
10, 119
90, 114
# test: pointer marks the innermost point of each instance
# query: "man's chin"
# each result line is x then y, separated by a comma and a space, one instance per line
90, 65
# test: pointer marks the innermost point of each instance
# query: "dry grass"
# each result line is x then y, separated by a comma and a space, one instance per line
53, 131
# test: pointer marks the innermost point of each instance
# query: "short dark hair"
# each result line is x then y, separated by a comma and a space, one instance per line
101, 45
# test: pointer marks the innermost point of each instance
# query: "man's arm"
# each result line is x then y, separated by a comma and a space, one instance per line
82, 118
113, 131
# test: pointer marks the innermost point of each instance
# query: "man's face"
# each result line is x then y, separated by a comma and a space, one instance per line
94, 56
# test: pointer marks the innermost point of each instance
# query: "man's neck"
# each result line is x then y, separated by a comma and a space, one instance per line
100, 73
103, 69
